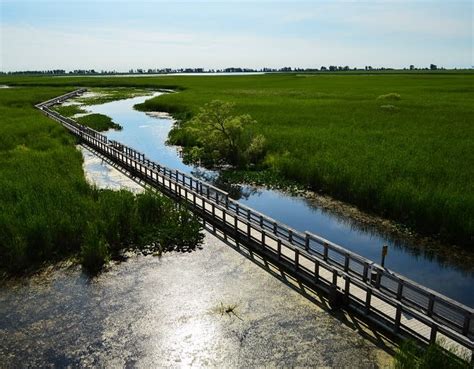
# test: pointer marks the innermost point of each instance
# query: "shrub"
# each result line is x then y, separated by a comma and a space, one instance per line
257, 149
216, 136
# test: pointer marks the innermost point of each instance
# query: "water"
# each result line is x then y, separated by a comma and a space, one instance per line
148, 133
164, 312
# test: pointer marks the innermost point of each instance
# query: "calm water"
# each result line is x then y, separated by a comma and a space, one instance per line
148, 134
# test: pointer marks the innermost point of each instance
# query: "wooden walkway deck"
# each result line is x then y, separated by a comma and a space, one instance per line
382, 296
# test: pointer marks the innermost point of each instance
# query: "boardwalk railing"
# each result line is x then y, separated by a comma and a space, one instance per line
375, 291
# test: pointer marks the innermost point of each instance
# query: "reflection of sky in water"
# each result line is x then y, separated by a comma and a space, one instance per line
148, 135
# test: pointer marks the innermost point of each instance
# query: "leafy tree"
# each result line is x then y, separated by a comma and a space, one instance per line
218, 137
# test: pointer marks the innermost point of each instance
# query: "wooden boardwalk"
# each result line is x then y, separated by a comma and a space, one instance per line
380, 295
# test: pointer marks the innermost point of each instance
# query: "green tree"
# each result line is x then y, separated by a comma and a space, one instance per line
220, 137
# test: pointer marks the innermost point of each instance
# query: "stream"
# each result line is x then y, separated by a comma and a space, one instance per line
148, 132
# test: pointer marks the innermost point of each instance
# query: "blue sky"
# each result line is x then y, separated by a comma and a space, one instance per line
156, 34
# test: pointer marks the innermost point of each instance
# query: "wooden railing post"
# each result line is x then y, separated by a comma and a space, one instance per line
316, 271
400, 290
347, 285
398, 316
368, 300
433, 333
365, 272
334, 277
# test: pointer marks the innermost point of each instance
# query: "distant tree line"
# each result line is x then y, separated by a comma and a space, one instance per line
330, 68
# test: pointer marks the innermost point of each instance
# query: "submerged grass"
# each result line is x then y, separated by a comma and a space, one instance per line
413, 164
48, 211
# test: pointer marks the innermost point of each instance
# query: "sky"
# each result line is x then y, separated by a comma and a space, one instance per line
120, 35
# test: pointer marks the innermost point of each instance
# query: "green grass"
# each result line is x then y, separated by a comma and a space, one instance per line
413, 162
99, 122
49, 212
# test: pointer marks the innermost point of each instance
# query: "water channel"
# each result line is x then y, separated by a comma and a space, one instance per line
148, 132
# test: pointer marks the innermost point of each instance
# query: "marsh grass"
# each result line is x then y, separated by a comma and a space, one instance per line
329, 133
99, 122
47, 210
94, 252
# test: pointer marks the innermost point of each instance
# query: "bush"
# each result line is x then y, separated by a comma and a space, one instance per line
257, 149
215, 136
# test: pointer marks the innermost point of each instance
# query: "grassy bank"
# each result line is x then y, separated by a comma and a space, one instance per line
399, 145
48, 211
99, 122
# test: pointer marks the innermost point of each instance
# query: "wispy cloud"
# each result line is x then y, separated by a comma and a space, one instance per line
307, 34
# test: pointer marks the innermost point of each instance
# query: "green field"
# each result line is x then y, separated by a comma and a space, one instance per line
49, 212
413, 162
